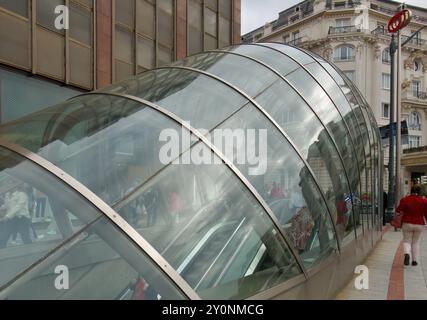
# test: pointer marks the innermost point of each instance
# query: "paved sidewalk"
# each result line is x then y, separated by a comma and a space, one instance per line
389, 279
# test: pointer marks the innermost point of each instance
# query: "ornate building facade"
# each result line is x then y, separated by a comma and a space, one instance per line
353, 35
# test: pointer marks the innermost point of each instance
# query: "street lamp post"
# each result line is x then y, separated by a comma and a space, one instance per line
390, 196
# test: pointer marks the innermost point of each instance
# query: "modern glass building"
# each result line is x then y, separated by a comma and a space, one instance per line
248, 172
106, 41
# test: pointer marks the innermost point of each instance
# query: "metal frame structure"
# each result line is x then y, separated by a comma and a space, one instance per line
333, 102
217, 152
110, 212
351, 107
285, 134
107, 211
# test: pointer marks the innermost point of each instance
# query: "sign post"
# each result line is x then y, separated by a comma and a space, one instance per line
396, 23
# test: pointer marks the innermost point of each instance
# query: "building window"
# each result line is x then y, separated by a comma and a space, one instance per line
415, 88
342, 23
350, 74
19, 7
195, 26
144, 36
211, 28
344, 53
385, 81
386, 110
38, 94
224, 23
414, 121
414, 141
286, 38
15, 33
296, 37
339, 4
386, 55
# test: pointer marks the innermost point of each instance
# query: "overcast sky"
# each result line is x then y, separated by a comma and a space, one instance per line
255, 13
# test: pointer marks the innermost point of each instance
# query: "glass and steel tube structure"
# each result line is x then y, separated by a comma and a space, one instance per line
253, 171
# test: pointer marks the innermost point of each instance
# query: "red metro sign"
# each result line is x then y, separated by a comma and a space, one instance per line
399, 21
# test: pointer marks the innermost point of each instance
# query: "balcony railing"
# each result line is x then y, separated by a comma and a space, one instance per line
380, 31
415, 150
345, 29
342, 4
419, 95
415, 41
294, 42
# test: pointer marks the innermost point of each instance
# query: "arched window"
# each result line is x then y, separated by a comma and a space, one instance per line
386, 55
414, 121
344, 53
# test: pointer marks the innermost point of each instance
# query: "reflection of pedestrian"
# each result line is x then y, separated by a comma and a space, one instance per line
342, 216
414, 210
276, 192
175, 206
17, 217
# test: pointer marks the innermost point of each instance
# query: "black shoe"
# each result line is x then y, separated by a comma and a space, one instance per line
406, 261
414, 263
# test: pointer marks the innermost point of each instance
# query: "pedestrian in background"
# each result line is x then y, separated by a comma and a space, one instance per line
414, 212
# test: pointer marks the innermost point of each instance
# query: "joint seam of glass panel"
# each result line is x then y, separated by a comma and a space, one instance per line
219, 154
354, 113
107, 211
285, 135
345, 123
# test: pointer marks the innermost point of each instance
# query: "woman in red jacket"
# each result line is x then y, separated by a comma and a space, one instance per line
414, 210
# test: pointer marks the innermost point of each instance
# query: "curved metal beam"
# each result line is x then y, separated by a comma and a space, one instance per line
107, 211
362, 104
289, 139
339, 112
218, 153
354, 95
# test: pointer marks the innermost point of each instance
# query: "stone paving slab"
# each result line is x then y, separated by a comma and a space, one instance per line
385, 278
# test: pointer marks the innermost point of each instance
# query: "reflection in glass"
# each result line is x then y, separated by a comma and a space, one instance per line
37, 213
285, 184
210, 229
101, 264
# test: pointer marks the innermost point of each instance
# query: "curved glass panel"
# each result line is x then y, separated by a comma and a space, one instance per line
238, 76
306, 131
297, 54
239, 71
202, 216
64, 234
192, 96
281, 178
367, 138
100, 264
278, 61
91, 135
357, 105
37, 213
210, 228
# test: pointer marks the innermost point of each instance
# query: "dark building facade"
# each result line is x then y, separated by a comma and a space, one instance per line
107, 41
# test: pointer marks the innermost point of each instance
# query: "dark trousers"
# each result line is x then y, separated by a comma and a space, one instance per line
22, 226
5, 232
